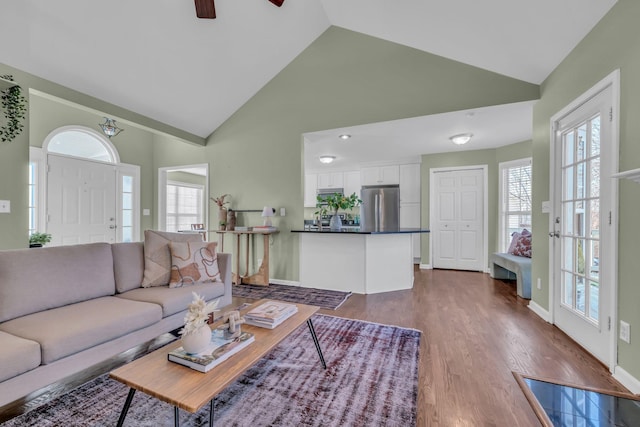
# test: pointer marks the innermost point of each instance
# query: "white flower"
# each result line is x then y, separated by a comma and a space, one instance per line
197, 314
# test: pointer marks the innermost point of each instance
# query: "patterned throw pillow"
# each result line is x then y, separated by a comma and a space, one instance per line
157, 257
193, 262
523, 244
514, 241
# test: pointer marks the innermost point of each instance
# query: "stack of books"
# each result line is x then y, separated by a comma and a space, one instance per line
219, 350
270, 314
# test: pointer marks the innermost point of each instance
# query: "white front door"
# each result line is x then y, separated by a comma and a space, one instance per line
458, 218
81, 201
582, 232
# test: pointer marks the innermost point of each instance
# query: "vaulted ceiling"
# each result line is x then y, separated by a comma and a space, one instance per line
155, 57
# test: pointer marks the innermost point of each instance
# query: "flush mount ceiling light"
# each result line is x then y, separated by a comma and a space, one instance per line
344, 136
461, 139
109, 127
327, 159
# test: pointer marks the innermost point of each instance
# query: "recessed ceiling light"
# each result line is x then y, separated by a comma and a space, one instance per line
461, 139
344, 136
327, 159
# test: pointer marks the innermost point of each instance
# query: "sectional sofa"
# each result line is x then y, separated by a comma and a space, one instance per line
64, 309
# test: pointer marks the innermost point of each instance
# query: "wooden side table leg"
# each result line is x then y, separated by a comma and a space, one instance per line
238, 280
261, 277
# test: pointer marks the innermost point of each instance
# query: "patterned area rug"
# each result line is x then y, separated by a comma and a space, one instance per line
371, 380
318, 297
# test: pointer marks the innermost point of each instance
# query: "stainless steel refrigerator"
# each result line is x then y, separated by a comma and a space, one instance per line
380, 209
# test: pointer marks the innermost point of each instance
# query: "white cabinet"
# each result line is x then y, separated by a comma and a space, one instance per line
410, 183
410, 218
310, 189
352, 183
380, 175
331, 180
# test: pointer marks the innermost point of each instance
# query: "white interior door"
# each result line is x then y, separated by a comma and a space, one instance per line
81, 201
582, 231
457, 206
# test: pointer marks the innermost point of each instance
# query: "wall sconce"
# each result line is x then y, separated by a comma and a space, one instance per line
461, 139
267, 213
109, 127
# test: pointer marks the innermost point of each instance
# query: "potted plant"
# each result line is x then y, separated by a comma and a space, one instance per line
336, 202
222, 211
38, 240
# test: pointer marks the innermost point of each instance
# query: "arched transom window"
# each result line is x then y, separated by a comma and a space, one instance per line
85, 143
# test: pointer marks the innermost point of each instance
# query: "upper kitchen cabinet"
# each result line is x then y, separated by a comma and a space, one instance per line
352, 183
331, 180
310, 189
410, 183
380, 175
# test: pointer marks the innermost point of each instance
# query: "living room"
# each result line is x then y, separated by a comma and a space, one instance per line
270, 124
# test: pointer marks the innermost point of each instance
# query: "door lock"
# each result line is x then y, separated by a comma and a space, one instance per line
554, 234
112, 227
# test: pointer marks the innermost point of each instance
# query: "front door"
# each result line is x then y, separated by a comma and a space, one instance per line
81, 201
458, 218
582, 233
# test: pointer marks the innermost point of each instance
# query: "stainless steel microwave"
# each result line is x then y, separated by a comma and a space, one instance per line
323, 193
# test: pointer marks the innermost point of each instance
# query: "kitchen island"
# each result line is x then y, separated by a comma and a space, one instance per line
364, 262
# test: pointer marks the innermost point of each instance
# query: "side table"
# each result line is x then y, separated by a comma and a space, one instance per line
261, 277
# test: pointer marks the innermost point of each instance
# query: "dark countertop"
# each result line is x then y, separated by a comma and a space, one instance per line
398, 231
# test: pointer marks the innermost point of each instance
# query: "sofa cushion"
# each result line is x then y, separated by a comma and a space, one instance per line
67, 330
128, 265
193, 262
18, 355
157, 258
175, 300
33, 280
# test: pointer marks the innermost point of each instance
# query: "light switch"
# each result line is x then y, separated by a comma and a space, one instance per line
146, 212
282, 212
5, 206
546, 207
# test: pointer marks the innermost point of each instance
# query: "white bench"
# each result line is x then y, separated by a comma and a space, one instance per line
507, 266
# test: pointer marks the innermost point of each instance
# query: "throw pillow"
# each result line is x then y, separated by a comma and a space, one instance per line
157, 257
523, 245
193, 262
514, 241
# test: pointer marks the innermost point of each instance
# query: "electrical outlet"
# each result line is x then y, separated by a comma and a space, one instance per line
283, 212
5, 206
625, 331
539, 284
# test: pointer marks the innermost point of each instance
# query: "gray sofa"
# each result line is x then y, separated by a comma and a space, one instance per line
64, 309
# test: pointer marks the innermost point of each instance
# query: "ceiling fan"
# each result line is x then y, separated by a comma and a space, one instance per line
207, 9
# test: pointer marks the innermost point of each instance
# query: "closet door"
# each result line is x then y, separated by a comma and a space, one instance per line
457, 202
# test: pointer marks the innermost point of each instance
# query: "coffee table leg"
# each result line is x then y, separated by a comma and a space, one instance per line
125, 409
176, 416
315, 341
211, 413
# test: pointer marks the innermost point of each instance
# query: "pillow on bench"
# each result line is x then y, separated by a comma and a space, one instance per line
521, 244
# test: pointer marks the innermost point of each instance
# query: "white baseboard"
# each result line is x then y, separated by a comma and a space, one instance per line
284, 282
626, 379
537, 309
425, 267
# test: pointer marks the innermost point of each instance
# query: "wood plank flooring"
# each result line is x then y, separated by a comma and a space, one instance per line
475, 333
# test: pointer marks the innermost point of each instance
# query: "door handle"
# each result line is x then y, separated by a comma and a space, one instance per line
554, 234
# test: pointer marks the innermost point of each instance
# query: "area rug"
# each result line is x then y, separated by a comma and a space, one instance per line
371, 380
318, 297
560, 404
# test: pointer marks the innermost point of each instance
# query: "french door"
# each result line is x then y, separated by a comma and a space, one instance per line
582, 235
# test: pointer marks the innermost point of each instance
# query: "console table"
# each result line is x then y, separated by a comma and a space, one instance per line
261, 277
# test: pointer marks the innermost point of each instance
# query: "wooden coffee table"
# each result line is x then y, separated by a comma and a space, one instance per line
187, 389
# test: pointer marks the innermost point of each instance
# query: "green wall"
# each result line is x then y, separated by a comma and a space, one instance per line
342, 79
613, 44
490, 158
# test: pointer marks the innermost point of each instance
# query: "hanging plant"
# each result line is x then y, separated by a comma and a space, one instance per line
14, 107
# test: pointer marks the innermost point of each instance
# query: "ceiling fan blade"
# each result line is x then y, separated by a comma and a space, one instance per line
277, 2
206, 9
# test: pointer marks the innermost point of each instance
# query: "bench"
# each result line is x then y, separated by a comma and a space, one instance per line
507, 266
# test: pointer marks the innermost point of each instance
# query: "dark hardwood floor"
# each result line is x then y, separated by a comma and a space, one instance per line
475, 333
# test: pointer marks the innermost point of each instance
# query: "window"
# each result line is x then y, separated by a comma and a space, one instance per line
33, 198
515, 199
184, 205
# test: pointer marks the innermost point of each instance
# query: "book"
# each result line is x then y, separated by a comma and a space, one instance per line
270, 314
219, 350
264, 228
